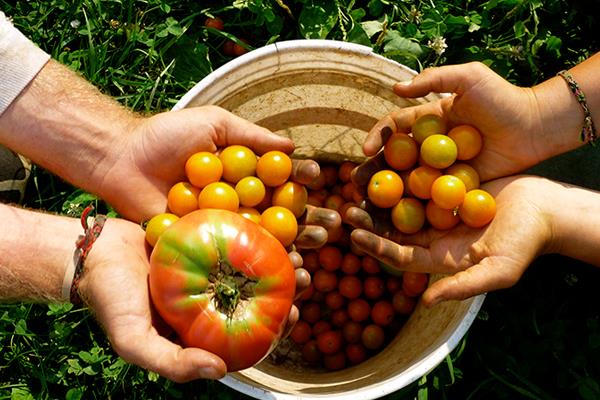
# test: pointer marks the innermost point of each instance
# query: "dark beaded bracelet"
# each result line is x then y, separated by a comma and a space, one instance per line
588, 132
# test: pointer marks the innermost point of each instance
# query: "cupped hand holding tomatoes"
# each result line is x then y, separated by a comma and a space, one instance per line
224, 284
477, 260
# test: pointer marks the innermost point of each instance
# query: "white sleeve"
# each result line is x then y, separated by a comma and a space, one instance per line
20, 61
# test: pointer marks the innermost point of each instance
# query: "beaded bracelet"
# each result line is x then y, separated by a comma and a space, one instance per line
82, 248
588, 132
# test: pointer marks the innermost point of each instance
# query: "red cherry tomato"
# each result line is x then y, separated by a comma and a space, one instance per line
330, 257
414, 283
359, 310
373, 337
382, 313
330, 342
325, 281
350, 286
310, 312
301, 332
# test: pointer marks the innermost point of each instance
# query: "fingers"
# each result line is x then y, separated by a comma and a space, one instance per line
158, 354
304, 171
231, 129
480, 278
302, 281
292, 319
359, 219
325, 217
373, 220
315, 226
310, 237
379, 134
407, 258
363, 172
444, 79
296, 259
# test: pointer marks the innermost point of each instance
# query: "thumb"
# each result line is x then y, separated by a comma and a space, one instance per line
232, 129
170, 360
484, 277
444, 79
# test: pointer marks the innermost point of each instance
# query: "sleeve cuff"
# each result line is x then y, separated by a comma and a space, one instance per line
20, 62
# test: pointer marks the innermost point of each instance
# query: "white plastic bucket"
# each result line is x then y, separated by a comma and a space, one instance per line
326, 95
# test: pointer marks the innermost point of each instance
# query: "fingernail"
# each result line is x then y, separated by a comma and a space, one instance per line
386, 132
435, 301
404, 83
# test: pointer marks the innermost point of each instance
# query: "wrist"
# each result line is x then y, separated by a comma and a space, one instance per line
35, 253
560, 118
575, 216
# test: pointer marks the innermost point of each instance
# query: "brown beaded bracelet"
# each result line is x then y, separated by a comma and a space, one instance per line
82, 248
588, 132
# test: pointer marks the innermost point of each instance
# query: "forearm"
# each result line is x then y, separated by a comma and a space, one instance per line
61, 122
560, 114
35, 250
576, 223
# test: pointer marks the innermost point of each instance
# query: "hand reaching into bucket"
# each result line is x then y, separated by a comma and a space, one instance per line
535, 216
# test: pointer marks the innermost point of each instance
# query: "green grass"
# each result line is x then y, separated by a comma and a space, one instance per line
538, 340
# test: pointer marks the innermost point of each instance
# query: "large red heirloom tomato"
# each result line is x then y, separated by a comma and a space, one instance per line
224, 284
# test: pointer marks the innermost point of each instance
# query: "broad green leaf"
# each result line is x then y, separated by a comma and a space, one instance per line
372, 27
74, 394
318, 19
192, 62
59, 308
358, 35
375, 7
396, 42
21, 393
553, 44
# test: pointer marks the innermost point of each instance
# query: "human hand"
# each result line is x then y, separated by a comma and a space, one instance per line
506, 115
115, 287
477, 260
151, 159
147, 161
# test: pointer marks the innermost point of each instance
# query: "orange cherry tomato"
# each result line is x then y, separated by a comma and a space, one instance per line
250, 213
408, 216
157, 225
251, 191
401, 151
203, 168
385, 188
238, 162
448, 192
427, 125
465, 173
292, 196
468, 141
439, 151
274, 168
219, 195
281, 223
440, 218
182, 198
478, 208
421, 179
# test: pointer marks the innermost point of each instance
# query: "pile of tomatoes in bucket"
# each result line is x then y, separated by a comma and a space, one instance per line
232, 267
